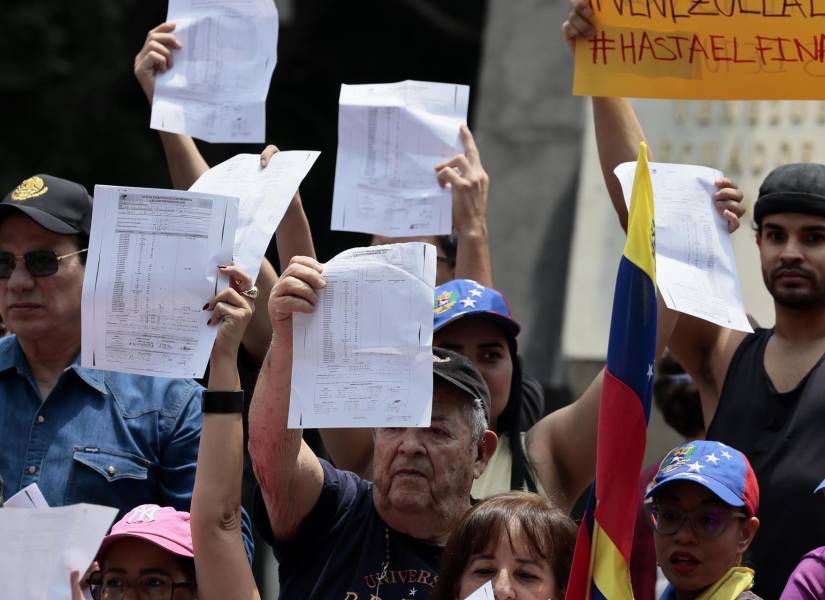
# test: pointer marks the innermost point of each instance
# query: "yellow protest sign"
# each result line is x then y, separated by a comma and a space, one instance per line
710, 49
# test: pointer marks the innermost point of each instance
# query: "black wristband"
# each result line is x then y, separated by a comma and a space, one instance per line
222, 402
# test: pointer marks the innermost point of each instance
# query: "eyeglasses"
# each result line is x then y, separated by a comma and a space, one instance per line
707, 522
39, 263
112, 585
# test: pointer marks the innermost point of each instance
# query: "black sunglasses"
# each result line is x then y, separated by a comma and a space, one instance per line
39, 263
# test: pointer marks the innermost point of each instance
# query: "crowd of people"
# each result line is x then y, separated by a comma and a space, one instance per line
486, 492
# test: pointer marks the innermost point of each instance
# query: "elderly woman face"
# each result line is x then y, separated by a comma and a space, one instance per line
515, 572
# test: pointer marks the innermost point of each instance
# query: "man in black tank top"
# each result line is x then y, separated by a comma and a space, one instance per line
764, 393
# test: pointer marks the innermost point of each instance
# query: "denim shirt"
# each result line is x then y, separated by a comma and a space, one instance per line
100, 437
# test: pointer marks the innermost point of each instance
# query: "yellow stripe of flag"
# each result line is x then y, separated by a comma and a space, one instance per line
611, 574
640, 247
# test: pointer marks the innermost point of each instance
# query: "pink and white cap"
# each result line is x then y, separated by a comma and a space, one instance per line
161, 525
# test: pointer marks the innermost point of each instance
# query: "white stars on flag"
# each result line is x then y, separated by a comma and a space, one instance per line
468, 303
712, 458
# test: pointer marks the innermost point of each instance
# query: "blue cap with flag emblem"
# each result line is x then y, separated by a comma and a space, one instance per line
462, 298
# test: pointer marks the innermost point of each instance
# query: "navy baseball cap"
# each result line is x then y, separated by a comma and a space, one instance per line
820, 487
721, 469
56, 204
457, 370
462, 298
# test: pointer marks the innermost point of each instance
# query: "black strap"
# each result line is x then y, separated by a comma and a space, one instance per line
222, 402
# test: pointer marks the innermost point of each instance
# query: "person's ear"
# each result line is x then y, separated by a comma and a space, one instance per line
485, 448
746, 534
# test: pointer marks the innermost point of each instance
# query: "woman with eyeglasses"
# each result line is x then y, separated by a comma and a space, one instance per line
159, 553
702, 506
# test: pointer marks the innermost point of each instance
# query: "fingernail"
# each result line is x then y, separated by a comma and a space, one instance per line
205, 306
222, 266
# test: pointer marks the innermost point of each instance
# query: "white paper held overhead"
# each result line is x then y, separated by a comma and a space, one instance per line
152, 265
216, 89
390, 138
264, 196
363, 358
695, 264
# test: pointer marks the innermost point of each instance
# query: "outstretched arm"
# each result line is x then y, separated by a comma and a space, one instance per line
289, 473
156, 56
221, 563
470, 185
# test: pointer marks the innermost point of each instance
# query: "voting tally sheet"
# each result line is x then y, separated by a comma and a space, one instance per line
264, 196
695, 264
42, 546
216, 89
152, 265
363, 358
390, 137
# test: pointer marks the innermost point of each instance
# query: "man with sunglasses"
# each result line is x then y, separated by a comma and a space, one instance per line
82, 435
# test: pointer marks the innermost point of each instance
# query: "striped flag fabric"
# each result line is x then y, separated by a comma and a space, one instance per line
602, 556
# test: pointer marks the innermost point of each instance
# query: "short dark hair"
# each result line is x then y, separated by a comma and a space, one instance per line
82, 241
550, 534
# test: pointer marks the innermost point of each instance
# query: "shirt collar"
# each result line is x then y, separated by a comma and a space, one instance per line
12, 357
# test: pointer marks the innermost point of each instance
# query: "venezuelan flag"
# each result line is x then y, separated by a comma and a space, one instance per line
602, 555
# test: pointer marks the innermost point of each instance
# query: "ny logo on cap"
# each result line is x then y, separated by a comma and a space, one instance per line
30, 188
145, 513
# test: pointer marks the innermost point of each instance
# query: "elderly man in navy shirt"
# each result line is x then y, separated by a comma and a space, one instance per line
82, 435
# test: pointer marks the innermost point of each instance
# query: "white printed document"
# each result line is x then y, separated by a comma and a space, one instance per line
485, 592
263, 194
695, 265
152, 265
216, 89
42, 546
390, 138
363, 358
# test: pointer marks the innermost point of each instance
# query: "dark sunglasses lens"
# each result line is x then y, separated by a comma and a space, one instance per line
711, 522
41, 263
6, 264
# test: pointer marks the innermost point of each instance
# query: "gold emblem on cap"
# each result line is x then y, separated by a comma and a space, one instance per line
30, 188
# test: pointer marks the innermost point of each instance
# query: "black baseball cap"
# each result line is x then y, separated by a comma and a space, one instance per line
794, 188
56, 204
457, 370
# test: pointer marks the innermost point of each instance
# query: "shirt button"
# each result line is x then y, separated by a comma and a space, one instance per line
41, 418
111, 471
32, 469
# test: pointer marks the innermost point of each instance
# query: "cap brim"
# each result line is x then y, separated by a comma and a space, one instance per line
165, 543
455, 383
510, 327
40, 217
720, 490
820, 487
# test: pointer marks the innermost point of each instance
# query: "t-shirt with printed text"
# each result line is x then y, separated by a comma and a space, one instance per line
340, 549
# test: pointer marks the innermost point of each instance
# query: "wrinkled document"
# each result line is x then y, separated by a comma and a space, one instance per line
264, 196
42, 546
390, 138
29, 497
695, 264
485, 592
363, 358
152, 265
216, 89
